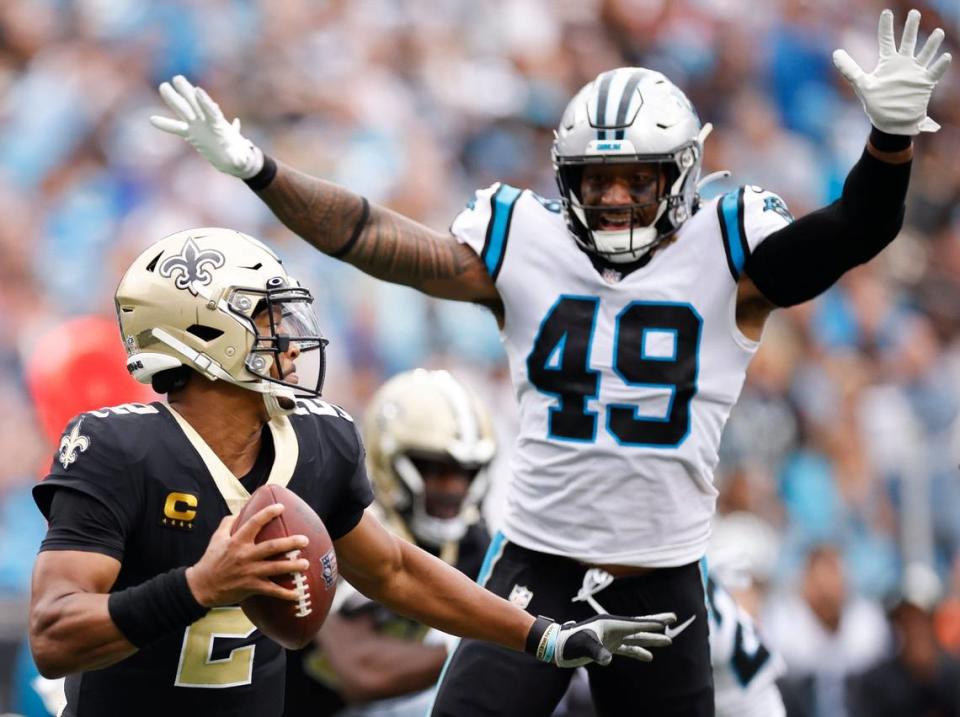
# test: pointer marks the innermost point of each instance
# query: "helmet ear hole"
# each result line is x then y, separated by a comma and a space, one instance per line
204, 333
173, 379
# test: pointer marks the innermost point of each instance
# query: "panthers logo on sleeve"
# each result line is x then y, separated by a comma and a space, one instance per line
776, 204
747, 216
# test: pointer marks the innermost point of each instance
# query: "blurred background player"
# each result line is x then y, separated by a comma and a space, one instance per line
745, 671
429, 441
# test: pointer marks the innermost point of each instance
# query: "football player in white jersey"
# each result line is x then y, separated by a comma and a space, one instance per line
744, 669
629, 310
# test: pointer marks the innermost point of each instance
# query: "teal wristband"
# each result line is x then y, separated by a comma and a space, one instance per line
542, 639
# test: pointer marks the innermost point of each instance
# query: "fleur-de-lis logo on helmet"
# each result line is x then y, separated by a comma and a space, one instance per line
71, 445
191, 265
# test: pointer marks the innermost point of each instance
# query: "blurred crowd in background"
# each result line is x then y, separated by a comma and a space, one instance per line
840, 490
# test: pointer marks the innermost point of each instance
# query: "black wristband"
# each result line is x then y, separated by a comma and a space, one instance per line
155, 608
534, 642
262, 179
357, 229
885, 142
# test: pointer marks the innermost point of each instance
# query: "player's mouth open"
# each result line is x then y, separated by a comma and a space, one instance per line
444, 506
612, 222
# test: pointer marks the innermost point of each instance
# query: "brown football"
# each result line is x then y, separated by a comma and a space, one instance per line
293, 624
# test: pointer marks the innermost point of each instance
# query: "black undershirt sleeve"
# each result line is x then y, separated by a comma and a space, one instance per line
81, 522
805, 258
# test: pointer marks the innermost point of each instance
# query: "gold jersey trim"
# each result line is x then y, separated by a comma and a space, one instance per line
286, 453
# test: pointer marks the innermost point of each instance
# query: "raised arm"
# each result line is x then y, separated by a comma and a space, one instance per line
333, 219
374, 239
803, 259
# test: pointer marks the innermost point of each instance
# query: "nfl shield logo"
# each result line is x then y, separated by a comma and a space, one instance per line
328, 564
611, 276
520, 596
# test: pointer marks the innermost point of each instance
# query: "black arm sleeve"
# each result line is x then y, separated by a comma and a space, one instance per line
81, 522
805, 258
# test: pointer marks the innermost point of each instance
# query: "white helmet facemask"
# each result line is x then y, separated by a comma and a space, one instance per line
629, 116
432, 530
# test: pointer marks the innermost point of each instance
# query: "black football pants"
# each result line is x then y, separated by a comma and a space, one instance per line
483, 680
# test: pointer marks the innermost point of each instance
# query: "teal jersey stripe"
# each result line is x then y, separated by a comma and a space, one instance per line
730, 208
491, 558
703, 572
503, 202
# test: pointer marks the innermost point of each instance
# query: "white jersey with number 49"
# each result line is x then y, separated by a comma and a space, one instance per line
624, 384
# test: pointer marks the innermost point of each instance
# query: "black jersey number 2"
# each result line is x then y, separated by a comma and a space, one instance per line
559, 366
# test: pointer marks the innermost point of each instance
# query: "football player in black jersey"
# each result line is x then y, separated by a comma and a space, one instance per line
429, 441
136, 589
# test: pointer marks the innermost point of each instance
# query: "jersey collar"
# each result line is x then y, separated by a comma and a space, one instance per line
286, 451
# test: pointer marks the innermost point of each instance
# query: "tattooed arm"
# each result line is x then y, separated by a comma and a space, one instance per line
336, 221
388, 246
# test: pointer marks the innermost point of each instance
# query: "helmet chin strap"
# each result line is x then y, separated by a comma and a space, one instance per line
279, 403
645, 236
605, 243
278, 400
435, 531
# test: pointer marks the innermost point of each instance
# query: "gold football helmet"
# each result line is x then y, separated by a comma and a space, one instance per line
426, 422
221, 303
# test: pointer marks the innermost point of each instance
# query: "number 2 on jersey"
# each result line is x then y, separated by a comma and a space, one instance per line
198, 667
559, 366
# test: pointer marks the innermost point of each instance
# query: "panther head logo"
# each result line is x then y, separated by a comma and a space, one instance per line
191, 266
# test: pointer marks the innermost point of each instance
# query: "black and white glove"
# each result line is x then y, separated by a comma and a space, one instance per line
199, 120
896, 93
598, 639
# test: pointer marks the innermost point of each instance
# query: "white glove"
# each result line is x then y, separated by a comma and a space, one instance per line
202, 124
896, 94
598, 639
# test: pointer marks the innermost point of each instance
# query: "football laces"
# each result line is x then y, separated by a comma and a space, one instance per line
302, 587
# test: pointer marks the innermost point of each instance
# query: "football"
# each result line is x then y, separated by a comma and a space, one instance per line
293, 624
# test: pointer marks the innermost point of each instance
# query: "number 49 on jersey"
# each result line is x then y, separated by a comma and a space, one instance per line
559, 366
